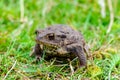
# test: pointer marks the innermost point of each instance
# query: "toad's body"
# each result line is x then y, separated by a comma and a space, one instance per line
60, 41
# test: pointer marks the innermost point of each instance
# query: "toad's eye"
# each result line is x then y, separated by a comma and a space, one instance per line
51, 36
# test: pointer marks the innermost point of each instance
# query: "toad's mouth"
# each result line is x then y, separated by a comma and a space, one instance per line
48, 44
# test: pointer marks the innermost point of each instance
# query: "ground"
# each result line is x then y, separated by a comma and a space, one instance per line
17, 37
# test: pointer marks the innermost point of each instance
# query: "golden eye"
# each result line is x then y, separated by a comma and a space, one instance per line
51, 36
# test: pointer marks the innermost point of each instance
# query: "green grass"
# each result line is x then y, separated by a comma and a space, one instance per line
17, 39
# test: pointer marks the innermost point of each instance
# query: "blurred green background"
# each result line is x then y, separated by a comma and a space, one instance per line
20, 18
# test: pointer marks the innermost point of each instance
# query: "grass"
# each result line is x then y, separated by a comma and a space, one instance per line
17, 39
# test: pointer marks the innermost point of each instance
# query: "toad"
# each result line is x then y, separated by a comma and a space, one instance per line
60, 41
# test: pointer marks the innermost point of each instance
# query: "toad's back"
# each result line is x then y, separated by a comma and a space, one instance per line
71, 34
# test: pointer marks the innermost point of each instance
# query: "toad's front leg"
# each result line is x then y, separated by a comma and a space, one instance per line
79, 52
37, 52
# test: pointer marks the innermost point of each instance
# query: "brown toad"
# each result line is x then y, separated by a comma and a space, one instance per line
60, 41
